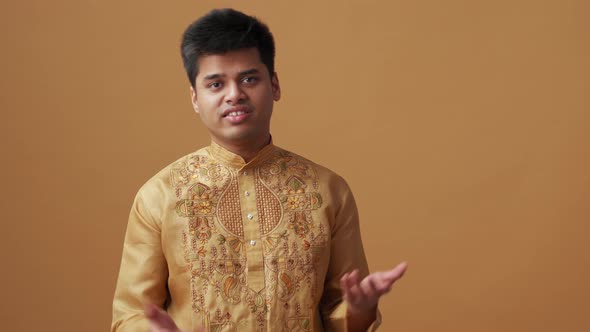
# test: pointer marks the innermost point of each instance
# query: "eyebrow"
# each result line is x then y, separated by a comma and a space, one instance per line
242, 73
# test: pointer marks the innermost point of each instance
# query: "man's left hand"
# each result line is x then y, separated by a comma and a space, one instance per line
363, 295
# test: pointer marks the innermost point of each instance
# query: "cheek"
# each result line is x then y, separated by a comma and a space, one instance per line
207, 116
208, 112
263, 97
207, 106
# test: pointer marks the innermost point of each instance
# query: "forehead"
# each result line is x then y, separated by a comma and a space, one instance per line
230, 63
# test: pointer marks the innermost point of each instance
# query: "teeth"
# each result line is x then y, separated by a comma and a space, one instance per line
236, 113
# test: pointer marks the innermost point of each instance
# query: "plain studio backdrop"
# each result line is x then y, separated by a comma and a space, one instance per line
463, 128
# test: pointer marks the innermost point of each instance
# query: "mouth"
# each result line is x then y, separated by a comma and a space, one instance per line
237, 115
236, 111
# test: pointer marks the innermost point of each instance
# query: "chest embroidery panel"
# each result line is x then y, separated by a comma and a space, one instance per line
290, 232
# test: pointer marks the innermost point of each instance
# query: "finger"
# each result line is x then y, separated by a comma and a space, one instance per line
395, 273
381, 284
150, 311
159, 319
385, 280
356, 294
344, 286
369, 288
352, 280
344, 278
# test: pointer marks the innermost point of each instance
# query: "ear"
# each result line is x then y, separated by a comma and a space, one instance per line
194, 99
276, 87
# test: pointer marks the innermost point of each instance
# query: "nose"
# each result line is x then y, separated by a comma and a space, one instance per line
235, 95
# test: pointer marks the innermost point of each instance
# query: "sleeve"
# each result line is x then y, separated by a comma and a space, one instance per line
346, 254
143, 273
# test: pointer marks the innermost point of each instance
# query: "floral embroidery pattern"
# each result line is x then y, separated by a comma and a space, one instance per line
292, 202
204, 207
213, 242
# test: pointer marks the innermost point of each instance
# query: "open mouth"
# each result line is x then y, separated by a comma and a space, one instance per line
236, 111
237, 115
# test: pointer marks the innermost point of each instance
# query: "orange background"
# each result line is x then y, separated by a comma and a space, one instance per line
463, 128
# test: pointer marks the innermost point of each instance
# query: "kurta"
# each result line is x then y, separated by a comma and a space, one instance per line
225, 245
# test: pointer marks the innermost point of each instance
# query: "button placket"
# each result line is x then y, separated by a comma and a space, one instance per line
254, 254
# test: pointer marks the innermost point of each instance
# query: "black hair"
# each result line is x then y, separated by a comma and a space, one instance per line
221, 31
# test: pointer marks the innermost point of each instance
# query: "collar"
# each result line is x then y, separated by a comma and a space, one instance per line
235, 161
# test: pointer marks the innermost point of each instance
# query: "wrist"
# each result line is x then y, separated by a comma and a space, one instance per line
360, 311
360, 319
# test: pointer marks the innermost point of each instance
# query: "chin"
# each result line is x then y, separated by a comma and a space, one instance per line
239, 135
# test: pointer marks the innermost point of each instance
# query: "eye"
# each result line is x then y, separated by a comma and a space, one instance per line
250, 79
214, 85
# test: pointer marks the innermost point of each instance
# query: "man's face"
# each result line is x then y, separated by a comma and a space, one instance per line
234, 96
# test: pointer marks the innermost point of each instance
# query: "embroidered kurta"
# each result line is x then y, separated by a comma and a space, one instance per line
226, 245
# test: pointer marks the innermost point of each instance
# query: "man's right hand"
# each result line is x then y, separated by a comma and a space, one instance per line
159, 319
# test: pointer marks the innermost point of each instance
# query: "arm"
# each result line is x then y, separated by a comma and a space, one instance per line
346, 255
143, 273
351, 295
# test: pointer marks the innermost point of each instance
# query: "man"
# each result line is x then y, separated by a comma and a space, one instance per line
243, 235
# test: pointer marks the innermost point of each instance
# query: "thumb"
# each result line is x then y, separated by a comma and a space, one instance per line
395, 273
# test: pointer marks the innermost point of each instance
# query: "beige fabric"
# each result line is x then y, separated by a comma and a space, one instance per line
226, 245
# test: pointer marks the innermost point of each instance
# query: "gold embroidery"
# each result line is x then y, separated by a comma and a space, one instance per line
297, 324
198, 202
229, 212
269, 207
200, 228
231, 289
256, 301
222, 323
286, 189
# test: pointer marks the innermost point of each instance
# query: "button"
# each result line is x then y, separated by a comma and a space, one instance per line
245, 173
250, 216
252, 243
247, 193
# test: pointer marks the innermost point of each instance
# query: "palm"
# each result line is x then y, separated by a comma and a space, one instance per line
363, 295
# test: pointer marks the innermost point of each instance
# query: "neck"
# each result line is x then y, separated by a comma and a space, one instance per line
245, 149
